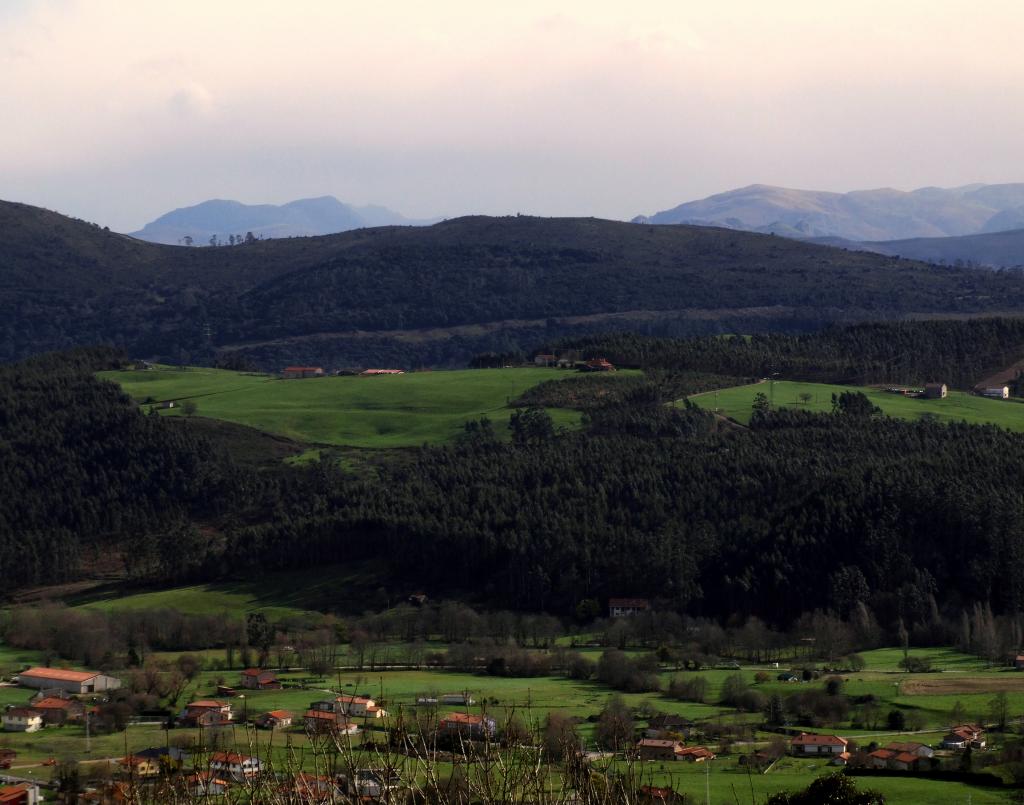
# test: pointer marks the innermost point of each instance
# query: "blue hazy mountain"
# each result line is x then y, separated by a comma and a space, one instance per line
308, 216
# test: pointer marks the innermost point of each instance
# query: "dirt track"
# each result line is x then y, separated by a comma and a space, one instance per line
943, 685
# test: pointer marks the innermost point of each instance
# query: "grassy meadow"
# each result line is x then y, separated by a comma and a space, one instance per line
736, 403
372, 412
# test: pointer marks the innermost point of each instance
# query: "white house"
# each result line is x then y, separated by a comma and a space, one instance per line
810, 744
358, 707
22, 719
997, 392
234, 766
75, 682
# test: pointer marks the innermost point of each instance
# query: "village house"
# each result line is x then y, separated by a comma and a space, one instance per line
234, 766
841, 759
168, 758
59, 711
326, 722
810, 744
256, 679
371, 784
297, 372
918, 749
1018, 662
375, 372
935, 391
659, 749
597, 365
274, 720
73, 682
139, 767
304, 787
623, 607
879, 759
205, 784
20, 794
544, 360
963, 736
996, 392
206, 713
354, 706
22, 719
466, 726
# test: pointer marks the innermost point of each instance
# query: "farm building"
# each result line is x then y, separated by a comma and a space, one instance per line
597, 365
963, 736
74, 682
544, 360
255, 679
375, 372
298, 372
914, 748
996, 392
936, 391
457, 698
20, 794
22, 719
810, 744
623, 607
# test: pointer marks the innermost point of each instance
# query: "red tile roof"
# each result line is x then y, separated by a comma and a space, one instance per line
229, 757
60, 674
906, 757
52, 703
206, 704
279, 714
811, 739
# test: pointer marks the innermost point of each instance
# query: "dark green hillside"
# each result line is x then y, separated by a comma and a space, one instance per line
364, 296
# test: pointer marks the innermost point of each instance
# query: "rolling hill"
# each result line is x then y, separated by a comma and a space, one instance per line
222, 219
863, 215
436, 295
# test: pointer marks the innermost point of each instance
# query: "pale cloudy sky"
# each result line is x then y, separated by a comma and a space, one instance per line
119, 110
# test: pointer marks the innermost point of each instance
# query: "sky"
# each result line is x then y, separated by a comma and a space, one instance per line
117, 112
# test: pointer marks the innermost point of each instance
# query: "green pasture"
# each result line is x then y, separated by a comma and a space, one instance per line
284, 594
736, 403
384, 411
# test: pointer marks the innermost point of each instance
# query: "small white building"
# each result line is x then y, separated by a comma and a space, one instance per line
74, 682
996, 392
22, 719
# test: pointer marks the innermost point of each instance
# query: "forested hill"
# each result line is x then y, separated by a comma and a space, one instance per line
436, 295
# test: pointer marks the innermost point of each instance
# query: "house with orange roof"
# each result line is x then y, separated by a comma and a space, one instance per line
235, 766
296, 372
257, 679
205, 784
275, 720
59, 711
20, 794
467, 726
206, 713
807, 743
139, 766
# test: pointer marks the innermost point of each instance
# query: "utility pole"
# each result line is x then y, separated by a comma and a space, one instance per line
88, 738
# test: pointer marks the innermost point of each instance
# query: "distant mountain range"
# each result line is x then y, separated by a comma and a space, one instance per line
863, 215
223, 219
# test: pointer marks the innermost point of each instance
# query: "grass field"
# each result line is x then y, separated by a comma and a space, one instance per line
736, 403
284, 594
386, 411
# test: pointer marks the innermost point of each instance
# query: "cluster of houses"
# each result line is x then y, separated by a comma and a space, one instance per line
55, 704
939, 391
592, 365
671, 749
899, 755
301, 372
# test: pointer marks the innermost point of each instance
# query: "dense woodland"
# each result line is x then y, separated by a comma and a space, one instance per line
957, 352
436, 295
801, 512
